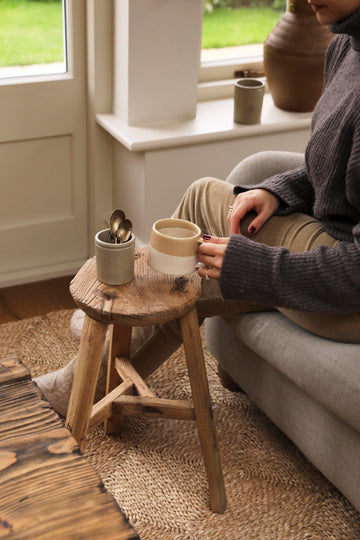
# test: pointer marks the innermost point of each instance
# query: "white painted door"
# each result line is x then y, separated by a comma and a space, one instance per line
43, 188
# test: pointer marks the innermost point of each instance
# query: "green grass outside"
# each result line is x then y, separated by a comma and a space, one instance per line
241, 26
31, 32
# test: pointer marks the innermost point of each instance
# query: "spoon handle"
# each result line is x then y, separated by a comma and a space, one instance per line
112, 239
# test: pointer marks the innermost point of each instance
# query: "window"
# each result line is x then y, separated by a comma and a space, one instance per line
233, 35
32, 37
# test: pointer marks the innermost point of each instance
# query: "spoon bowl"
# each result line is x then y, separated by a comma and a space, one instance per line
116, 218
124, 231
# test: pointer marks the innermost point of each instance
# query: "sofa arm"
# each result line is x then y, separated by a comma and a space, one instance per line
262, 165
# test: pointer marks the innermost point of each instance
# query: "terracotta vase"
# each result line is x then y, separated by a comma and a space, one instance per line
294, 55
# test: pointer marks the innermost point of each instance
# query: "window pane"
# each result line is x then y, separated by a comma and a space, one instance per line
238, 28
32, 38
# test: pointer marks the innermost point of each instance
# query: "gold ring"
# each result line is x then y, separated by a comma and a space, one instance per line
230, 208
206, 274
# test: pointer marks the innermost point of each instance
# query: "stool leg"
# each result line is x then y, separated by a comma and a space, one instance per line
203, 410
119, 346
85, 378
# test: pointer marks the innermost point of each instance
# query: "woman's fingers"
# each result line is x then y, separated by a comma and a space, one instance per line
237, 213
259, 220
211, 255
260, 201
209, 272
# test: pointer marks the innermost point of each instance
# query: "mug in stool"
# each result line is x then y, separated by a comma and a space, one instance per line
114, 262
174, 246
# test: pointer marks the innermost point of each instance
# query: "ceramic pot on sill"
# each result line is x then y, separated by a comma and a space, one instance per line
294, 57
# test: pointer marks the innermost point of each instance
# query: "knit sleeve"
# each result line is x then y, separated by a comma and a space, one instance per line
325, 280
293, 188
352, 181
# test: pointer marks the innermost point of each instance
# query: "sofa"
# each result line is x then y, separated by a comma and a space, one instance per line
307, 385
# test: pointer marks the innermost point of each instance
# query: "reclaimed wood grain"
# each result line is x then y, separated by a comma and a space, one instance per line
47, 489
154, 407
102, 410
203, 411
151, 298
120, 342
12, 370
126, 370
85, 378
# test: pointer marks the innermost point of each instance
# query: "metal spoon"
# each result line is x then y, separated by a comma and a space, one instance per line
124, 231
116, 219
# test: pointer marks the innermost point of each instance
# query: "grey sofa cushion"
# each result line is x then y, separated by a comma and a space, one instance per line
327, 370
329, 442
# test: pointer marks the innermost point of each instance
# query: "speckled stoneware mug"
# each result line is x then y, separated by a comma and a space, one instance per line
174, 246
114, 262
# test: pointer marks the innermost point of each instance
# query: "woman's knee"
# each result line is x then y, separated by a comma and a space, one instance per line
203, 184
206, 187
206, 203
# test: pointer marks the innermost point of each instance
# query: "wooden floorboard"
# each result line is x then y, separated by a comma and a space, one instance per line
33, 299
48, 491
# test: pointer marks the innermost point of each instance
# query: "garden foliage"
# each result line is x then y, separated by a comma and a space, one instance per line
209, 5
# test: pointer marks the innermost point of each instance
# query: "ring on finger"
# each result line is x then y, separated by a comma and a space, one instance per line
230, 208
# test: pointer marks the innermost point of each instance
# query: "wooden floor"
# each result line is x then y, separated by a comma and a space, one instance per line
32, 299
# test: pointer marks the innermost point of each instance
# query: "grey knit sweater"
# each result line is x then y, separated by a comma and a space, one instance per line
327, 187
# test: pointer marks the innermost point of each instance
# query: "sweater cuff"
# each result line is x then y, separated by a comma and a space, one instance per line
246, 271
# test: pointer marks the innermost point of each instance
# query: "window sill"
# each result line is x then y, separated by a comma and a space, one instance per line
213, 122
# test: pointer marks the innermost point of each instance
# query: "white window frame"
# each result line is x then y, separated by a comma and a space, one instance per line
216, 78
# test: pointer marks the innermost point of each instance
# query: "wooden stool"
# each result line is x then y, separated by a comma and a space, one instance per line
151, 298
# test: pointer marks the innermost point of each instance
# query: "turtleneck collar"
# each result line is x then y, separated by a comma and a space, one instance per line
350, 26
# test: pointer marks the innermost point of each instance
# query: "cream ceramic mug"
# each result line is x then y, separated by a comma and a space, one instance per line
174, 246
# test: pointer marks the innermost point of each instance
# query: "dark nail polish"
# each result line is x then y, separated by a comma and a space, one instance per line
206, 237
252, 230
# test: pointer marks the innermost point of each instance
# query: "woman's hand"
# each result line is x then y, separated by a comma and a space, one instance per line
211, 254
261, 201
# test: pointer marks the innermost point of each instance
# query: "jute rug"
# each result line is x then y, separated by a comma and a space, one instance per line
155, 470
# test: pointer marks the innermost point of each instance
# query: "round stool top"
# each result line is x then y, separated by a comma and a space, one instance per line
151, 298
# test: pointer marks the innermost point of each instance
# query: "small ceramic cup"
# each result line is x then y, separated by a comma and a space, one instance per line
174, 246
114, 262
248, 100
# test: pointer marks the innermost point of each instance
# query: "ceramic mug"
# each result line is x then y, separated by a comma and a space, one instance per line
114, 262
248, 100
174, 246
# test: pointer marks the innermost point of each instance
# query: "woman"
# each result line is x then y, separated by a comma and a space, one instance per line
294, 241
327, 188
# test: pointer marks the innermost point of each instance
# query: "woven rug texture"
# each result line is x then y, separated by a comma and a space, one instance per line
155, 471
